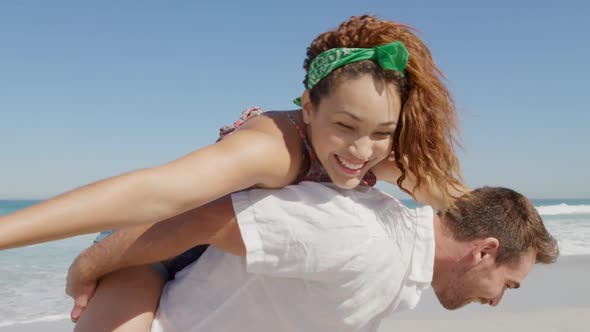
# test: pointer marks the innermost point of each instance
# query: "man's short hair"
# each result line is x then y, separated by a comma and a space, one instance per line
505, 215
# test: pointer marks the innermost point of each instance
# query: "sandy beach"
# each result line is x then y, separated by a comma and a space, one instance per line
553, 298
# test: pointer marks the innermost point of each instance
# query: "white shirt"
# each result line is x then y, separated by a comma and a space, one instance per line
318, 258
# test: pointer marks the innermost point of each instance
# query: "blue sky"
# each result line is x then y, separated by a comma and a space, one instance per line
91, 90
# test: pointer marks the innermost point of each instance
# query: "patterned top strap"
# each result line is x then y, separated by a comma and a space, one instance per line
246, 115
302, 135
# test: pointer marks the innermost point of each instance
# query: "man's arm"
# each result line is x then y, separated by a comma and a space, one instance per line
214, 224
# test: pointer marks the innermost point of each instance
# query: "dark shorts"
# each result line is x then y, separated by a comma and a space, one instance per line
183, 260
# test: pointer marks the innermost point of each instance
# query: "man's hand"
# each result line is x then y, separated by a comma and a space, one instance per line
80, 288
214, 224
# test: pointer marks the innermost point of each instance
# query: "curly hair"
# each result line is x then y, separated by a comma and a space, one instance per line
427, 132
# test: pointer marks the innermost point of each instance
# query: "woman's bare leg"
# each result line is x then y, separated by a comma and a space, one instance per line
124, 301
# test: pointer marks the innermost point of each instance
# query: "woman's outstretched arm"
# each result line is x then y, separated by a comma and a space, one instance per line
244, 159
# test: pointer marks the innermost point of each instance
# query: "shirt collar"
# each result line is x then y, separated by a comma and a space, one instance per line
423, 255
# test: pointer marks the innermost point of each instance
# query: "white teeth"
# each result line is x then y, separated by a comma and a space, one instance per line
350, 165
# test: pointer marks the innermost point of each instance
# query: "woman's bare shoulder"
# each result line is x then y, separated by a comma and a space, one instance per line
277, 124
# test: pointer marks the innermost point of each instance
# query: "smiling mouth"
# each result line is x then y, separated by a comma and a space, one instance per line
348, 165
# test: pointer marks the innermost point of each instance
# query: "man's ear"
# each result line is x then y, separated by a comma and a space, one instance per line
306, 107
486, 249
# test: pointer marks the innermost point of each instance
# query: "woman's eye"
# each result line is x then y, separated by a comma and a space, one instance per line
345, 126
383, 134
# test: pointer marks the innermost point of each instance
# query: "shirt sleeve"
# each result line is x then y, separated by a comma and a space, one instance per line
307, 230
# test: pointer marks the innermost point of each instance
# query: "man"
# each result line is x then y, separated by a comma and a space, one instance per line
318, 258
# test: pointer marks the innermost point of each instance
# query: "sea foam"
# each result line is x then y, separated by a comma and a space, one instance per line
563, 208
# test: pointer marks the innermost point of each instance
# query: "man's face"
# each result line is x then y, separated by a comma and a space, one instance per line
483, 281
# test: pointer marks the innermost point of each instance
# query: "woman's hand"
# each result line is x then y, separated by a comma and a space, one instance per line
426, 193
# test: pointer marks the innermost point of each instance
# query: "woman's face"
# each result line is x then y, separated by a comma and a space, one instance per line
351, 129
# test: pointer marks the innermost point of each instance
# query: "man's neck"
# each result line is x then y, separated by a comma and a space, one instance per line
448, 251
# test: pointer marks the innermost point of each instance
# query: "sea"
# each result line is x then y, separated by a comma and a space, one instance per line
32, 279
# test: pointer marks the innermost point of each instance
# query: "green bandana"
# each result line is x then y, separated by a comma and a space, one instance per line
393, 56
